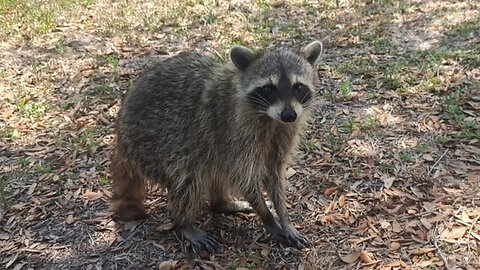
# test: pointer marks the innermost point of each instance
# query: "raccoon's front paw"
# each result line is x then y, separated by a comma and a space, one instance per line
293, 238
200, 240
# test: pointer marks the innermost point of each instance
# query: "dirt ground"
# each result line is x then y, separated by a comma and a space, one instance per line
388, 174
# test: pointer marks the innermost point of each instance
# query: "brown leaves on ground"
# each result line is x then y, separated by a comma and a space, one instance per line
388, 172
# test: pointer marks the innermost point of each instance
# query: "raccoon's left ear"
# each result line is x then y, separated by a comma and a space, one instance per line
312, 51
241, 57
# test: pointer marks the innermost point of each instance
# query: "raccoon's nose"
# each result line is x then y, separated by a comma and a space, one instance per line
288, 115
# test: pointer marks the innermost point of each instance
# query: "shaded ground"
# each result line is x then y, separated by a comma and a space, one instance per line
388, 174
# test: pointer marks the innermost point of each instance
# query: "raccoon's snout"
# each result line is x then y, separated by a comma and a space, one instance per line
288, 115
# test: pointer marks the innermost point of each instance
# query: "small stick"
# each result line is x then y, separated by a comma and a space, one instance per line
470, 233
436, 163
439, 251
440, 254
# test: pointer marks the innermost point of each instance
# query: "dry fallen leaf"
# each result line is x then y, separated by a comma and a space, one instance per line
421, 251
426, 223
70, 219
166, 227
92, 195
290, 172
265, 252
334, 130
394, 246
388, 181
365, 257
351, 258
341, 200
396, 227
428, 157
330, 190
454, 233
167, 265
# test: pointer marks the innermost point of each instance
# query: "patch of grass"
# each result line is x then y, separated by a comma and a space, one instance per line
443, 139
451, 104
42, 169
468, 29
386, 167
328, 95
210, 18
345, 88
30, 18
234, 264
90, 139
248, 254
291, 30
405, 156
470, 130
355, 174
357, 66
380, 43
32, 110
367, 124
12, 133
103, 180
421, 148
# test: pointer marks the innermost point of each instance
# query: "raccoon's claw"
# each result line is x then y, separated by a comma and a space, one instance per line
291, 237
200, 240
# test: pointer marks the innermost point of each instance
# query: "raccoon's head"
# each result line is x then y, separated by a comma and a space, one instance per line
279, 83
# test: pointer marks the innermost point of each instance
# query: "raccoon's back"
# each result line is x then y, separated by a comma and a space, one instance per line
158, 115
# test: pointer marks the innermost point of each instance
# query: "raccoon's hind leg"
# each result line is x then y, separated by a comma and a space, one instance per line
184, 200
128, 190
231, 207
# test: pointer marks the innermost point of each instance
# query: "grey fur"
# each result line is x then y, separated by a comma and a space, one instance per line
188, 126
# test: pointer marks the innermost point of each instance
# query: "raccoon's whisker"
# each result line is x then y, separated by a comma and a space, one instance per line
264, 99
304, 96
257, 102
259, 98
260, 102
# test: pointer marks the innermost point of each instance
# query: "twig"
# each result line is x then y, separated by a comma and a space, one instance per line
470, 233
436, 163
135, 230
439, 251
440, 254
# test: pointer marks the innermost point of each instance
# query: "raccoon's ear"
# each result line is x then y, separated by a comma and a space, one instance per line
312, 51
241, 57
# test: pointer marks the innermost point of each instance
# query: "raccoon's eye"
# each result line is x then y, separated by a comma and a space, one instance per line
268, 87
299, 87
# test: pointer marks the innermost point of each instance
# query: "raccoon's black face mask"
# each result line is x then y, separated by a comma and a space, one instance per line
280, 83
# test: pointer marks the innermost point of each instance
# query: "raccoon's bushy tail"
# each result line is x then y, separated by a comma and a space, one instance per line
128, 189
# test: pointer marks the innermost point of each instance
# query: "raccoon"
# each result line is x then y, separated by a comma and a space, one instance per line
209, 132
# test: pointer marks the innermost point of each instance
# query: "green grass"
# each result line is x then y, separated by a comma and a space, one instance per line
357, 66
42, 169
103, 180
35, 17
386, 167
368, 124
452, 105
345, 88
405, 156
421, 148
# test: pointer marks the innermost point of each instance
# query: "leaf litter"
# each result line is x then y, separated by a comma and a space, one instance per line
388, 170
